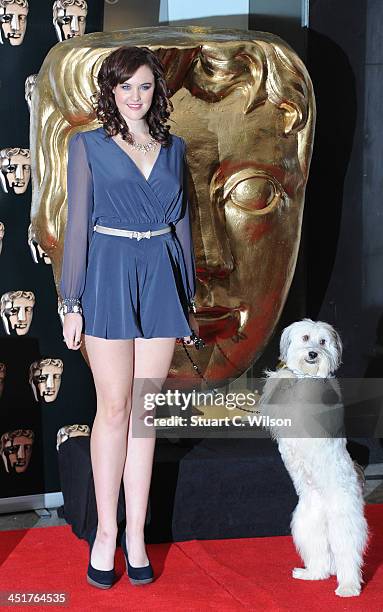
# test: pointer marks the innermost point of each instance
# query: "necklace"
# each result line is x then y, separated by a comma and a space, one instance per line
145, 148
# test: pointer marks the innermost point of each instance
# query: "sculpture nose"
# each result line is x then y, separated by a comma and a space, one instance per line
313, 354
50, 382
15, 25
74, 26
214, 259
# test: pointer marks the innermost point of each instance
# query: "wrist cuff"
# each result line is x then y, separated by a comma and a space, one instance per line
71, 305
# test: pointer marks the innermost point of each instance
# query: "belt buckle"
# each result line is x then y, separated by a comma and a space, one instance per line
140, 235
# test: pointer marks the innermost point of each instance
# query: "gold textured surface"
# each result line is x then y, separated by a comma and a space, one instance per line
245, 105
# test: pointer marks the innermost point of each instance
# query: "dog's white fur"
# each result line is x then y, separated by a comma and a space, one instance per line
328, 525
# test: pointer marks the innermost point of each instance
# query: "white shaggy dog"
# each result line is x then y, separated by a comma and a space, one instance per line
328, 525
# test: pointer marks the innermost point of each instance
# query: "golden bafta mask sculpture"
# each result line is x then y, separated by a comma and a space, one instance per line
16, 450
15, 169
2, 232
3, 372
30, 82
16, 308
69, 18
45, 378
38, 255
71, 431
244, 103
13, 21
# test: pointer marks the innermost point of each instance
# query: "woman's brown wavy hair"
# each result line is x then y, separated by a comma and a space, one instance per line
119, 66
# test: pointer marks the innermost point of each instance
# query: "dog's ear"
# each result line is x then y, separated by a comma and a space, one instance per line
339, 347
285, 343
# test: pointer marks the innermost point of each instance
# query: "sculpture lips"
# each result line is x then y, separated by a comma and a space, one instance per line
217, 322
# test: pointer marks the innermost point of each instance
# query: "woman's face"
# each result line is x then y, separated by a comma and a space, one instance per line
134, 96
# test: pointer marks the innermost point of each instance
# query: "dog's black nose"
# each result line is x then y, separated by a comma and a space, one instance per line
313, 354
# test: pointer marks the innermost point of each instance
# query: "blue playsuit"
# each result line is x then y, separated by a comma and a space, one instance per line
128, 288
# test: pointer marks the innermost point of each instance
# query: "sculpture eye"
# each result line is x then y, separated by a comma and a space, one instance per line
42, 378
9, 450
256, 194
305, 338
322, 341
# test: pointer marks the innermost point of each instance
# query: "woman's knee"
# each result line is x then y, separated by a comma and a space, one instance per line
114, 411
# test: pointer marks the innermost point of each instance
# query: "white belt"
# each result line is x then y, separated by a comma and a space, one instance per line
131, 233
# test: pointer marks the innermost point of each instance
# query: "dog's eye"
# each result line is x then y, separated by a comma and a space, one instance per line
322, 342
305, 338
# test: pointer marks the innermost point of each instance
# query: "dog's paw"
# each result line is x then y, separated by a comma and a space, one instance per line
302, 573
348, 590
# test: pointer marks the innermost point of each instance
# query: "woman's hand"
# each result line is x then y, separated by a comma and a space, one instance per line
72, 330
195, 327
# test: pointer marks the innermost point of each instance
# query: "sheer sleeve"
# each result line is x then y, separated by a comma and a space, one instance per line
184, 234
78, 229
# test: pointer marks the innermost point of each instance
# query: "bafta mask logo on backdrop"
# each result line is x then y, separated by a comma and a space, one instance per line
15, 169
3, 372
45, 378
38, 255
13, 21
244, 103
16, 308
30, 82
2, 232
71, 431
69, 18
16, 450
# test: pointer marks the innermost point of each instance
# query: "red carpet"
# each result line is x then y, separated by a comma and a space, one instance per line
224, 575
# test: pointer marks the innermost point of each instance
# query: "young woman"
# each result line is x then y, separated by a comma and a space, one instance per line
129, 274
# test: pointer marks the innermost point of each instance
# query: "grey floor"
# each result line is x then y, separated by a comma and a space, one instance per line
26, 520
373, 494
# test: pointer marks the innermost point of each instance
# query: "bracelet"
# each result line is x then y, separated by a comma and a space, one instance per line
192, 306
71, 305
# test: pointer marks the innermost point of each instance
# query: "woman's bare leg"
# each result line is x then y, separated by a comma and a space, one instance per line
111, 362
152, 362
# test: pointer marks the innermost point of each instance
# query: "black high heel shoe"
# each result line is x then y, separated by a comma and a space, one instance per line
136, 575
103, 579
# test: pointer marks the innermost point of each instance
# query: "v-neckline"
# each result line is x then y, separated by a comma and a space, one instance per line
134, 163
